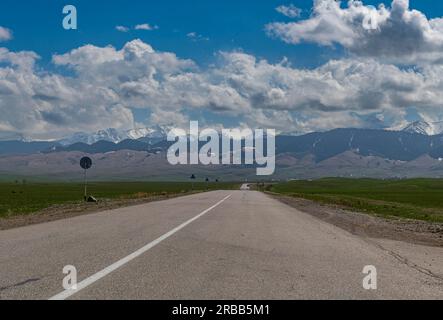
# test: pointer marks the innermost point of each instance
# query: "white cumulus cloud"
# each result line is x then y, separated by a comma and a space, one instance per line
194, 36
290, 11
5, 34
145, 26
122, 28
106, 83
395, 34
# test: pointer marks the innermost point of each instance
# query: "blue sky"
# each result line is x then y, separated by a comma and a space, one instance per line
229, 25
266, 94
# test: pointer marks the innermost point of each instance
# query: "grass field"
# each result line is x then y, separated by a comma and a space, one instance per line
420, 199
23, 198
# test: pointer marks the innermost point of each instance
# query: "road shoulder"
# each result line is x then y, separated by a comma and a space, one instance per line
70, 210
370, 226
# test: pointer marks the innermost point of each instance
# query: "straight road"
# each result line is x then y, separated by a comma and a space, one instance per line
215, 245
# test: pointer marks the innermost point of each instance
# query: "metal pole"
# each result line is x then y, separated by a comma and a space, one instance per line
86, 186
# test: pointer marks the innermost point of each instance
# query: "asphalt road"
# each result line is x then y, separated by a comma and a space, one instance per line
216, 245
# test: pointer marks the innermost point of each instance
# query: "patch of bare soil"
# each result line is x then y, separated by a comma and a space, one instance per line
413, 231
69, 210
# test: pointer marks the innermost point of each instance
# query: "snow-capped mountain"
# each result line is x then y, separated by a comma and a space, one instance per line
425, 128
420, 127
114, 135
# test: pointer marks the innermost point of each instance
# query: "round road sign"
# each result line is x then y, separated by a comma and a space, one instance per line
86, 163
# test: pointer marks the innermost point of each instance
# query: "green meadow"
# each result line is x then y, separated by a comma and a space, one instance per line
21, 197
420, 199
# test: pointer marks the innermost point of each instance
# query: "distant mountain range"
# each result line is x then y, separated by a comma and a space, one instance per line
141, 154
100, 141
395, 145
159, 133
154, 135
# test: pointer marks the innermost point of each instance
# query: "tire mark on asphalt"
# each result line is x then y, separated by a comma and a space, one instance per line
19, 284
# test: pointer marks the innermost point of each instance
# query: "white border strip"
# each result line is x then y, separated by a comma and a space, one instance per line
103, 273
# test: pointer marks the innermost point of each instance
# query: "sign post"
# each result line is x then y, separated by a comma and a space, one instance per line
86, 163
192, 179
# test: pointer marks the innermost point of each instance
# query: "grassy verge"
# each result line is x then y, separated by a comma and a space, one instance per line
23, 198
420, 199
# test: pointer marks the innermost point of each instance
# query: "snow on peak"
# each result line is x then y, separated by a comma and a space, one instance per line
112, 135
425, 128
420, 127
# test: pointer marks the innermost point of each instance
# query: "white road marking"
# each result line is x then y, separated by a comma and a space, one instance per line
88, 281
